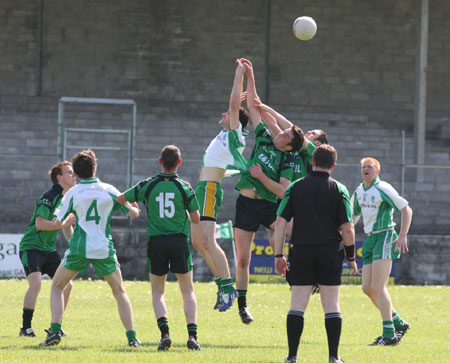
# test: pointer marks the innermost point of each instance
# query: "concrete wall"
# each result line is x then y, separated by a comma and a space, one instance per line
428, 261
355, 79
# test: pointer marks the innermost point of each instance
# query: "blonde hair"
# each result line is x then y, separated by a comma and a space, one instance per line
373, 160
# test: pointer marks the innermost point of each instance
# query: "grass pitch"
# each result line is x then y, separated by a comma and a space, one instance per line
95, 333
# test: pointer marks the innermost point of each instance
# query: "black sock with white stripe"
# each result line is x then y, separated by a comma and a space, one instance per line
294, 325
333, 325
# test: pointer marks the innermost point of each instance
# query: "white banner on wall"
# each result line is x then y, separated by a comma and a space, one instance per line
10, 265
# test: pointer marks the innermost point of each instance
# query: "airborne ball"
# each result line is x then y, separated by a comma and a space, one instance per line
304, 28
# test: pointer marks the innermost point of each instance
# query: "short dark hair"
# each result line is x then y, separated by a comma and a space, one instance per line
325, 156
299, 138
323, 137
170, 156
243, 117
57, 170
84, 164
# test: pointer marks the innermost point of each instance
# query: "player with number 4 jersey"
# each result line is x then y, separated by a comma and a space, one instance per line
93, 203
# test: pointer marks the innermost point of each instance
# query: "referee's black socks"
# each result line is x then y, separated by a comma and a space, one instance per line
333, 325
294, 325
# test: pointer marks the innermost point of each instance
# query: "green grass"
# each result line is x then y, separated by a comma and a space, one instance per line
96, 334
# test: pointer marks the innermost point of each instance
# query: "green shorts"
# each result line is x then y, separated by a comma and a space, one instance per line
103, 267
209, 196
378, 247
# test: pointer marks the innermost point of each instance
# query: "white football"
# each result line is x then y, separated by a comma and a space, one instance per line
304, 28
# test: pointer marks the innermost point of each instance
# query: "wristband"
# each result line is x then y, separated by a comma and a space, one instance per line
350, 252
279, 255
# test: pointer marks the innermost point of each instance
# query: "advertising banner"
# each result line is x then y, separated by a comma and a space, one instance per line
262, 264
10, 265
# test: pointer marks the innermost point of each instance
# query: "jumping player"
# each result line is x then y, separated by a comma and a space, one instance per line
224, 152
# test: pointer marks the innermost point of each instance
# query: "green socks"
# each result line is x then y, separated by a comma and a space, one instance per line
388, 329
397, 319
55, 327
218, 281
131, 335
227, 286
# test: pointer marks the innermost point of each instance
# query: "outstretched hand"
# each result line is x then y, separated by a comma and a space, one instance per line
241, 67
248, 66
401, 244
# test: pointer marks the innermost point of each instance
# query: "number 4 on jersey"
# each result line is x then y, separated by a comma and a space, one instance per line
92, 212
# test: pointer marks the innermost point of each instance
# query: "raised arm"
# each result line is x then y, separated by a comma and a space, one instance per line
281, 120
236, 92
255, 116
270, 122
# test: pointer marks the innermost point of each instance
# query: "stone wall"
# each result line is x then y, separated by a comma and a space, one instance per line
428, 261
355, 79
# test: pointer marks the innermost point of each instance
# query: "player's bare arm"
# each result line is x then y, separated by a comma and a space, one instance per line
348, 237
280, 237
402, 241
235, 97
277, 188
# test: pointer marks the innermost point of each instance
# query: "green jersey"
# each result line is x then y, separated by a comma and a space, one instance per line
274, 163
302, 161
167, 198
47, 206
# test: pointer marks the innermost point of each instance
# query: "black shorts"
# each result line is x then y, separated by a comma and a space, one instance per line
169, 252
320, 264
40, 261
251, 213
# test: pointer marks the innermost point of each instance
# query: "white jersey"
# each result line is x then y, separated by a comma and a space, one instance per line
93, 204
225, 150
376, 204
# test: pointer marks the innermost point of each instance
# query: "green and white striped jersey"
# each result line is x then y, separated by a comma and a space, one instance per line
225, 150
93, 204
376, 204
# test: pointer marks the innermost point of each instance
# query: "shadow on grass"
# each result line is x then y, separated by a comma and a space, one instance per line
39, 347
176, 347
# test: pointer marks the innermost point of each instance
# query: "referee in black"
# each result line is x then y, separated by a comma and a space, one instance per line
322, 216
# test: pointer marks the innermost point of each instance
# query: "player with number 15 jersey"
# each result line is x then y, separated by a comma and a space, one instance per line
166, 197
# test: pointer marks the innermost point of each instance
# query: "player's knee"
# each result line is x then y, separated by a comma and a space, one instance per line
68, 287
35, 286
243, 262
367, 289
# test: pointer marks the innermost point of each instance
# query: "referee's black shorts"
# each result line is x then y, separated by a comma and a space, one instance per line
311, 264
